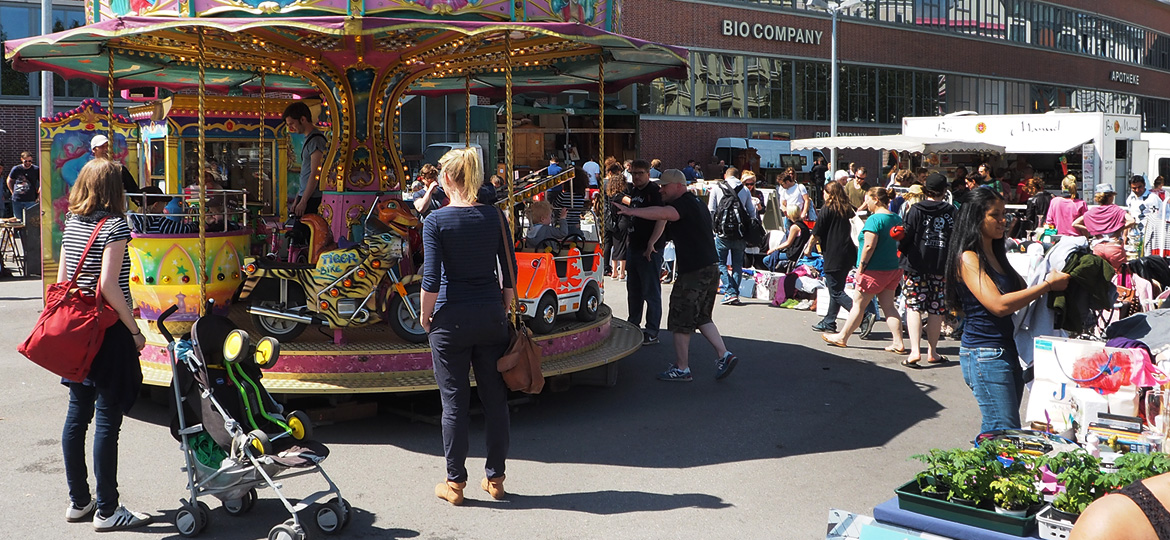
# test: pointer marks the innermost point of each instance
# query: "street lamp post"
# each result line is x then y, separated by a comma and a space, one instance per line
834, 101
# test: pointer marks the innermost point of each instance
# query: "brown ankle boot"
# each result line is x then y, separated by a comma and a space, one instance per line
494, 487
451, 492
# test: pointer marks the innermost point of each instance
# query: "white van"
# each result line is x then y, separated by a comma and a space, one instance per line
435, 151
773, 154
1159, 158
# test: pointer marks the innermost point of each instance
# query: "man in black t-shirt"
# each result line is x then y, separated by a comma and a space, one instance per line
644, 254
24, 183
693, 297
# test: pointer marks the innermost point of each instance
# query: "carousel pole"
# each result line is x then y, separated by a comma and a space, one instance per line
467, 113
201, 274
110, 105
263, 125
508, 162
601, 145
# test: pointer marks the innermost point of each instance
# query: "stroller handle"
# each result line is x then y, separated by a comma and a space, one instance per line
162, 328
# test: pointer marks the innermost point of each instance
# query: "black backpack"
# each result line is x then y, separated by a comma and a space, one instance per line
731, 218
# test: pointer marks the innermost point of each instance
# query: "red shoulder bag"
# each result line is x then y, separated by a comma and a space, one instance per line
70, 330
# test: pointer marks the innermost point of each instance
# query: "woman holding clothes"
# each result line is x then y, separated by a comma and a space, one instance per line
115, 376
832, 231
464, 314
982, 285
878, 272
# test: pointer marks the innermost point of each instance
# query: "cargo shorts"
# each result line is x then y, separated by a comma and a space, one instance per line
691, 300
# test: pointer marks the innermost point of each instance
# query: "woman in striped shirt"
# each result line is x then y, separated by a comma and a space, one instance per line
98, 200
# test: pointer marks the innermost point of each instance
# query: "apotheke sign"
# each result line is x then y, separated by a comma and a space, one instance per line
771, 32
1127, 78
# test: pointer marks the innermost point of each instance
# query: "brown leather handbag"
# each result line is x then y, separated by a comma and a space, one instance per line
520, 364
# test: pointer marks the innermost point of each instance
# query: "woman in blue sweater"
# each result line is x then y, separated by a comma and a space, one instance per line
463, 311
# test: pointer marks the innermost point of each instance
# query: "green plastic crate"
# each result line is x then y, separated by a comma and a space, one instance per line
911, 499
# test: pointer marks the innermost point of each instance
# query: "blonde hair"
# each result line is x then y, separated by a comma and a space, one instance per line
538, 212
793, 212
746, 175
464, 171
98, 188
1104, 198
1069, 184
911, 197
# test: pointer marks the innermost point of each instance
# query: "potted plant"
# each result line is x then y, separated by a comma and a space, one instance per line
1014, 494
935, 480
1080, 474
972, 474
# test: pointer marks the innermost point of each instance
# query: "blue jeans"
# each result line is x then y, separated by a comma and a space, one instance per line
997, 380
730, 277
18, 208
644, 286
83, 402
465, 337
773, 260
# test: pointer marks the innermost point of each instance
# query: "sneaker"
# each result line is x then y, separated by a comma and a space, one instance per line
75, 513
121, 520
823, 327
790, 303
724, 365
867, 323
676, 374
648, 339
803, 305
729, 300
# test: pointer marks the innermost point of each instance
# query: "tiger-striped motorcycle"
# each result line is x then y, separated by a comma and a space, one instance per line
345, 288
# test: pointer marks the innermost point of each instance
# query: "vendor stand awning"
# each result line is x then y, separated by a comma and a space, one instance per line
1056, 142
900, 143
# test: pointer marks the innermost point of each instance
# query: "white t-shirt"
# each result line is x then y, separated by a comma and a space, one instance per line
592, 169
794, 196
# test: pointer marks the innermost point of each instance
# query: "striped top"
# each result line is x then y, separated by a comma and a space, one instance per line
463, 247
159, 225
77, 232
573, 202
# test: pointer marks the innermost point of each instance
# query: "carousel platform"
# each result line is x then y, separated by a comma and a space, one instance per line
375, 361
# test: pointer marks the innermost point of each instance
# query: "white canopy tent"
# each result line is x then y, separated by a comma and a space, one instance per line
900, 143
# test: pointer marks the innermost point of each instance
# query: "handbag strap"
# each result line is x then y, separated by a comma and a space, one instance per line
81, 262
509, 264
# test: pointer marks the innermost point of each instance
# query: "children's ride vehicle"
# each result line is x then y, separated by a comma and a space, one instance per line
344, 288
562, 277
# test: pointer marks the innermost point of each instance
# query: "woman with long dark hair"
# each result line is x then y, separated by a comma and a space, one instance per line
616, 225
982, 285
464, 301
832, 231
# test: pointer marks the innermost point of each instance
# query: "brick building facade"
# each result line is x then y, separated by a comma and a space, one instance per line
978, 55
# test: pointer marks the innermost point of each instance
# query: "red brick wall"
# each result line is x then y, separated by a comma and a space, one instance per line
22, 125
699, 26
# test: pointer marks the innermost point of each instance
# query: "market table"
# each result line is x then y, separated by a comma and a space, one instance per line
10, 245
889, 512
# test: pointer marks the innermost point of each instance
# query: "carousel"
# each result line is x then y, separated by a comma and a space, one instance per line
344, 306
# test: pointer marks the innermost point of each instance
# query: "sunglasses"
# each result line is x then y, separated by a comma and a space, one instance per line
749, 184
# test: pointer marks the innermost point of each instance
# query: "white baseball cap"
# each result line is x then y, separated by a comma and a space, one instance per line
97, 141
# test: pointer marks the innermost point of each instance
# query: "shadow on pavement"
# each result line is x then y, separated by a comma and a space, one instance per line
268, 513
608, 502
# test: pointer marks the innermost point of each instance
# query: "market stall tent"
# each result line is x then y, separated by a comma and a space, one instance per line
900, 143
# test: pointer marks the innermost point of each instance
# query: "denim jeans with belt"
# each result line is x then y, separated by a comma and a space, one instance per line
465, 337
732, 274
997, 380
83, 402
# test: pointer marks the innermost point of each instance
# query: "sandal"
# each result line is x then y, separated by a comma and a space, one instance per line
940, 360
907, 362
832, 342
897, 351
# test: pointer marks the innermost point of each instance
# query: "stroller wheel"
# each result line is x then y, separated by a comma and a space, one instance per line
346, 510
287, 531
236, 345
330, 517
241, 506
267, 352
259, 442
190, 520
299, 425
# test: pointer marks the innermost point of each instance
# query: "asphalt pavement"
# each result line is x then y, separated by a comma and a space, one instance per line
797, 429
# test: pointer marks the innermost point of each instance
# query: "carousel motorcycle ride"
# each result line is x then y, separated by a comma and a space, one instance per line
343, 288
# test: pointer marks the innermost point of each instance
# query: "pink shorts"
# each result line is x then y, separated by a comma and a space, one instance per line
876, 281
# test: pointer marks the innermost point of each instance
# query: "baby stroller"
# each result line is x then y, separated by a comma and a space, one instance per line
240, 441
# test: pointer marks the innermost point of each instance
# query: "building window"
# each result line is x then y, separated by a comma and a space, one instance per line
812, 91
769, 88
719, 88
665, 97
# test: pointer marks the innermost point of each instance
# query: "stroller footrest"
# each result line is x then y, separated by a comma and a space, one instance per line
191, 430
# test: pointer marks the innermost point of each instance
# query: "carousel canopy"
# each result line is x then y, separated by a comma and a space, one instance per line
163, 52
901, 143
